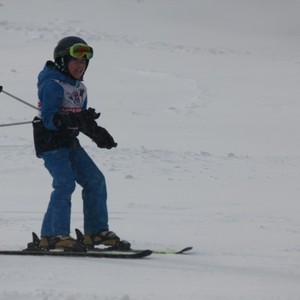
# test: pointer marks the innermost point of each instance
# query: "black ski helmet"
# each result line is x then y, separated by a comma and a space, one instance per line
61, 59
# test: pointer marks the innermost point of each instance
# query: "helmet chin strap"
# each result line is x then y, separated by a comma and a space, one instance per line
60, 65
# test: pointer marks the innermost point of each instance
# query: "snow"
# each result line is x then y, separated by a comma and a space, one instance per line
202, 98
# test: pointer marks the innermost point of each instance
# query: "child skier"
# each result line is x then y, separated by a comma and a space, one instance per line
63, 114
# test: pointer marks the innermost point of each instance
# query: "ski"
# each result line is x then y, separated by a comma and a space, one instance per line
34, 249
128, 254
124, 250
161, 251
167, 251
95, 252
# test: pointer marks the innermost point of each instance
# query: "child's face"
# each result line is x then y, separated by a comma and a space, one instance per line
77, 67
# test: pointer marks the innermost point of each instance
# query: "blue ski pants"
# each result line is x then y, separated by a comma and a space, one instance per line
68, 167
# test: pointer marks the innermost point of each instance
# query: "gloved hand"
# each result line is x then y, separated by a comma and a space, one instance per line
80, 120
102, 138
89, 115
64, 121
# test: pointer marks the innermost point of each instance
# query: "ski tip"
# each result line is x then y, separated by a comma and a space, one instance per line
184, 250
1, 88
146, 253
168, 251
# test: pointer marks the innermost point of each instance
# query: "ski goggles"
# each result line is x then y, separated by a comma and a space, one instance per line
78, 51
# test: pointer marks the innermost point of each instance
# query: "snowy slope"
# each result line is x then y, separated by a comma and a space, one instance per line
202, 98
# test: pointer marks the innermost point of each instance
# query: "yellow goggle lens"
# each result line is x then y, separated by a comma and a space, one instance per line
81, 50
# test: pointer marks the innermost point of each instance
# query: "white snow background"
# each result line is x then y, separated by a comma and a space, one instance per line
202, 97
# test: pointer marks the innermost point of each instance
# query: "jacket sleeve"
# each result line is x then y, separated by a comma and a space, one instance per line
51, 96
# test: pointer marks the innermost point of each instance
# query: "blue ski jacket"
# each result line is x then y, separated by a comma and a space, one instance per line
58, 93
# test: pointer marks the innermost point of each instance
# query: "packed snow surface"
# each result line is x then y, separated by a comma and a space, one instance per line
202, 97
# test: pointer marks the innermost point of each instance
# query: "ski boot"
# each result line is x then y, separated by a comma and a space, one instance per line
104, 237
66, 243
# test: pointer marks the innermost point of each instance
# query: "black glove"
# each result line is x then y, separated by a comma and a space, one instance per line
89, 115
102, 138
65, 120
80, 120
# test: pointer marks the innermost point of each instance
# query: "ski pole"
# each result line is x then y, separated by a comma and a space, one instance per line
17, 123
17, 98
